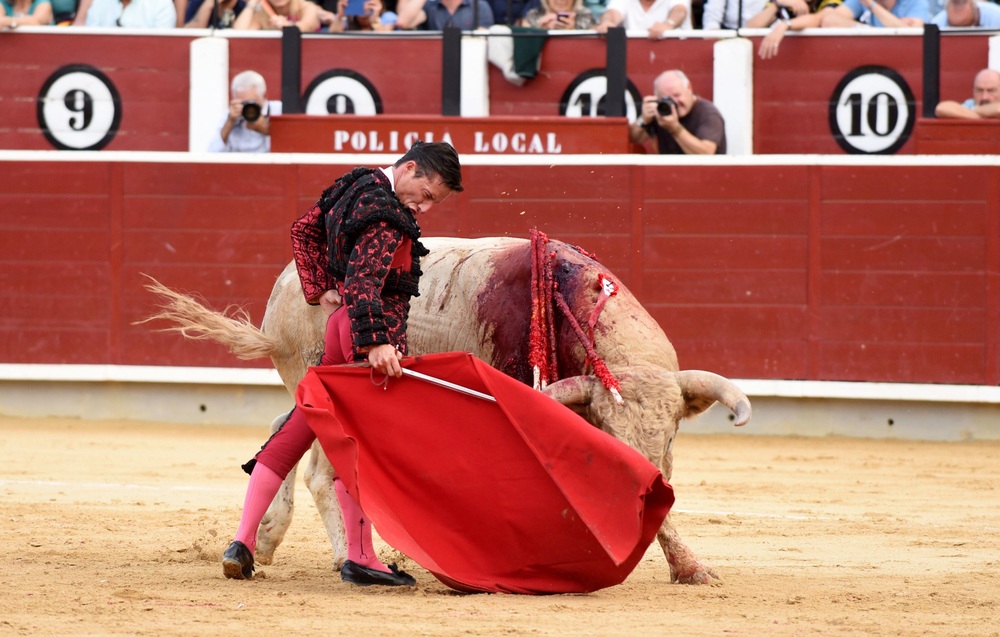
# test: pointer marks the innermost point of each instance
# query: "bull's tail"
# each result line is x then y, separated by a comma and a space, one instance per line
231, 327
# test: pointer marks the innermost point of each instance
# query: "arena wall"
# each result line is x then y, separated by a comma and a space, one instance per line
831, 91
814, 278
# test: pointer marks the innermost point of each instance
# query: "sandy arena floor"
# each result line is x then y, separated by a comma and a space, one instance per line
116, 528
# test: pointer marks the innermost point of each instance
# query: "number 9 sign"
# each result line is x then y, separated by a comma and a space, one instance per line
872, 111
79, 109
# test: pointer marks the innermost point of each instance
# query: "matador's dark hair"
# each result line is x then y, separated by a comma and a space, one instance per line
436, 158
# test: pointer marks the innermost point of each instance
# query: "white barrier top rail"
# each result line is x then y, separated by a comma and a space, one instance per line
476, 159
843, 390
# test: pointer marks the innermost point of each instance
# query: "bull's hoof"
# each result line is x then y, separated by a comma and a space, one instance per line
265, 559
701, 575
265, 551
237, 562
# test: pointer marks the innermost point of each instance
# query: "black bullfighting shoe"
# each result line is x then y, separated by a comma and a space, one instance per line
362, 576
237, 562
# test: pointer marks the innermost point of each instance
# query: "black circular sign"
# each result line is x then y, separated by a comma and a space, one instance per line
587, 93
872, 111
342, 92
79, 108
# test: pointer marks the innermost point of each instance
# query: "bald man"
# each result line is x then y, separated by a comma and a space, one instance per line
681, 122
985, 102
968, 14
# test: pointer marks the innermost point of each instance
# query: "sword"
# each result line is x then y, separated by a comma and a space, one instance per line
452, 386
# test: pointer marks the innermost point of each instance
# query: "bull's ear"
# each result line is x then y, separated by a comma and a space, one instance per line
574, 391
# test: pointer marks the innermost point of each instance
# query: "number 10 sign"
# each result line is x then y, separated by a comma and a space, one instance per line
872, 111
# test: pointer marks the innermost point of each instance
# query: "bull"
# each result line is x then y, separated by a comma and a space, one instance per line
475, 295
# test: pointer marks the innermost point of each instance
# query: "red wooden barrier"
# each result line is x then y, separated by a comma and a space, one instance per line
958, 137
823, 272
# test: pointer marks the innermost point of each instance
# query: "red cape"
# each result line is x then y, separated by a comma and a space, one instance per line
517, 496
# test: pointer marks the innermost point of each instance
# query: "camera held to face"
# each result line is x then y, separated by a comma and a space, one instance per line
251, 111
664, 105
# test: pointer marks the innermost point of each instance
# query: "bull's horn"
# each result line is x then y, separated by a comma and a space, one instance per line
702, 389
576, 390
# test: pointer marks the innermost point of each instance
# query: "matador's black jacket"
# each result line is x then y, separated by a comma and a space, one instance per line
360, 240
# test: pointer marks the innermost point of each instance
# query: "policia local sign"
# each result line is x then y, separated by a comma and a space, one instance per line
469, 135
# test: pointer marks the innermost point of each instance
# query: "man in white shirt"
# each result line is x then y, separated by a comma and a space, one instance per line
128, 14
246, 127
656, 17
729, 14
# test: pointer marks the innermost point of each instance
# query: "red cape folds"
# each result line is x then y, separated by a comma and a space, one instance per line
517, 496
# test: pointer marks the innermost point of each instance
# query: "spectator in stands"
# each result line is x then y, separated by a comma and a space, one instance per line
200, 13
246, 127
968, 13
878, 13
597, 7
655, 17
560, 14
511, 12
435, 15
21, 12
277, 14
680, 121
128, 14
788, 15
729, 14
374, 18
63, 12
985, 101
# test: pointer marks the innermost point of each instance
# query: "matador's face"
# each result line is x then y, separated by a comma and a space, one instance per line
419, 193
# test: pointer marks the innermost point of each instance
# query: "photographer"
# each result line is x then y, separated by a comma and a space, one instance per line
246, 128
680, 121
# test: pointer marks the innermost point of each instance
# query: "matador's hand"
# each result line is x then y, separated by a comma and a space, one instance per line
330, 302
385, 358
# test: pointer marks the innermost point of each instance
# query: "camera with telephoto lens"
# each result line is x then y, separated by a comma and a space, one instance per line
664, 105
251, 111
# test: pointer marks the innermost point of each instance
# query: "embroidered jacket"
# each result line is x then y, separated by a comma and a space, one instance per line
360, 239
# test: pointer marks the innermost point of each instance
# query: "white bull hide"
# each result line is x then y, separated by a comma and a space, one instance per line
475, 296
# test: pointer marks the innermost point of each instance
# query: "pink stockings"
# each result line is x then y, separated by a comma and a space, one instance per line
264, 485
287, 446
358, 529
